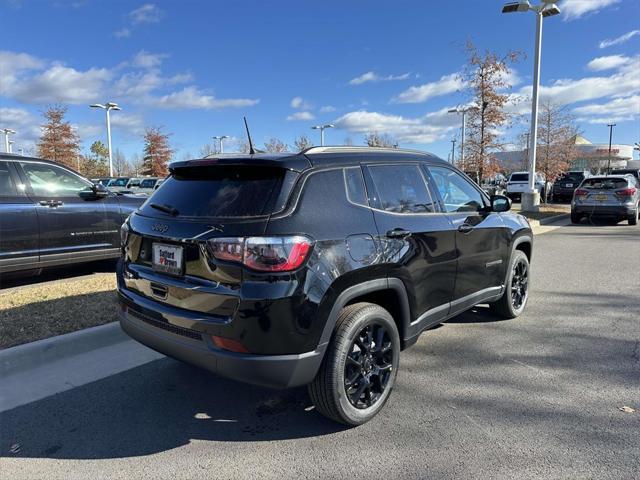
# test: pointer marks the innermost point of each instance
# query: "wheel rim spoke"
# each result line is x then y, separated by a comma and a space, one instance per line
368, 366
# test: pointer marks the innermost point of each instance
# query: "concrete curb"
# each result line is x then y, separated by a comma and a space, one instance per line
549, 220
32, 355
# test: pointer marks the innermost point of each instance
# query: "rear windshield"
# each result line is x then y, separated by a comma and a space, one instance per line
219, 191
519, 177
575, 177
604, 183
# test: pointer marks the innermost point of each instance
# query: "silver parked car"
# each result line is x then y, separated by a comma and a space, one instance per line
615, 196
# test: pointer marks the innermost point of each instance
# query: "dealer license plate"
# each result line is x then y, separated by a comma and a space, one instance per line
167, 258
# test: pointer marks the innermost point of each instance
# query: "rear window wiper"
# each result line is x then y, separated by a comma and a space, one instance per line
165, 208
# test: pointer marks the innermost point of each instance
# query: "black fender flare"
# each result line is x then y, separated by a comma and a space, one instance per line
518, 241
364, 288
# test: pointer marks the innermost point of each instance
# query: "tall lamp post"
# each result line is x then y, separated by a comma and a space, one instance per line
108, 107
220, 138
7, 132
453, 151
610, 125
322, 129
547, 8
462, 111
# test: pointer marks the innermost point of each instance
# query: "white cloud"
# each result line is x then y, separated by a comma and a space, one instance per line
147, 13
304, 115
300, 103
573, 9
144, 59
11, 62
617, 110
419, 94
327, 109
26, 125
624, 82
127, 122
619, 40
426, 129
192, 97
122, 33
58, 83
374, 77
608, 63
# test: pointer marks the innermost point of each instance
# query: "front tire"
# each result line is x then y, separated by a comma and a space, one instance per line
575, 218
360, 366
515, 297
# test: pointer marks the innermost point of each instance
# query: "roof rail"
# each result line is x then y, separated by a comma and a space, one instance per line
353, 149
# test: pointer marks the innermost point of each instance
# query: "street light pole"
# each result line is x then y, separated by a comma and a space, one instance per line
611, 125
220, 138
462, 111
11, 142
531, 199
7, 132
108, 107
322, 128
453, 150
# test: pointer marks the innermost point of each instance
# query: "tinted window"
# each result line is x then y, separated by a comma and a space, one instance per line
355, 186
7, 187
149, 183
219, 191
519, 177
457, 193
118, 182
400, 189
604, 183
51, 181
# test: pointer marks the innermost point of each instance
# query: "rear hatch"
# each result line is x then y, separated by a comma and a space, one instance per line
168, 255
602, 191
518, 183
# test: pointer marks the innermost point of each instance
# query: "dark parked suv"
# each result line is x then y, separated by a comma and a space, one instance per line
50, 215
316, 268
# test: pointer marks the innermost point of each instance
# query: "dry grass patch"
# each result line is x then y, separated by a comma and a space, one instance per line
41, 311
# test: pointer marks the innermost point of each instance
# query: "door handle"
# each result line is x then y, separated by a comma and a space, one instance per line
398, 233
51, 203
465, 228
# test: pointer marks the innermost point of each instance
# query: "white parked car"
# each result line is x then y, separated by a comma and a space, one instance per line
518, 183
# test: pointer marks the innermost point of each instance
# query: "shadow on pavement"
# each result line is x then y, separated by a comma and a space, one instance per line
478, 314
156, 407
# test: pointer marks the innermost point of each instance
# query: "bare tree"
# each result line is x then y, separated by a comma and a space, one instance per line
119, 162
374, 139
275, 145
58, 141
302, 143
556, 147
157, 152
487, 77
207, 149
348, 141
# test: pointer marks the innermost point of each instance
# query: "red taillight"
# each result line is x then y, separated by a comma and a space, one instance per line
627, 192
265, 254
229, 344
580, 192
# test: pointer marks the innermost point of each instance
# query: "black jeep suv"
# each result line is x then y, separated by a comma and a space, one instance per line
316, 268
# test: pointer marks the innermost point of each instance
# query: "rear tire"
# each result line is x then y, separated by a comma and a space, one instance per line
360, 366
575, 218
633, 218
514, 299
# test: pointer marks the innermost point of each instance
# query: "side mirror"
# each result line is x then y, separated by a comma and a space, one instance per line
95, 192
500, 203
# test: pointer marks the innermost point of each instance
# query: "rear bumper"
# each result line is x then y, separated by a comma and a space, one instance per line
274, 371
190, 346
603, 210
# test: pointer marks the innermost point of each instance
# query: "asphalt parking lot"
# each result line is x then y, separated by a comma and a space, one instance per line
535, 397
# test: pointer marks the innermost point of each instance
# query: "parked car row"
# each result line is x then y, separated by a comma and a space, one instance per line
135, 185
51, 215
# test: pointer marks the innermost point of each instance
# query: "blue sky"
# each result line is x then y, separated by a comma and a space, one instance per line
196, 67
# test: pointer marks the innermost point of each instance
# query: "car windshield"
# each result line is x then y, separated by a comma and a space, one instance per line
519, 177
148, 183
604, 183
572, 177
217, 191
118, 182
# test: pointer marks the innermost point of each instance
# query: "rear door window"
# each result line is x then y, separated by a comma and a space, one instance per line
7, 187
220, 191
399, 189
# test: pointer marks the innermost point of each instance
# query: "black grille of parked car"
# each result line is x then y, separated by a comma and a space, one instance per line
185, 332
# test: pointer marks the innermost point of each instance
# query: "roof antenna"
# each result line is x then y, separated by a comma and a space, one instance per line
246, 126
